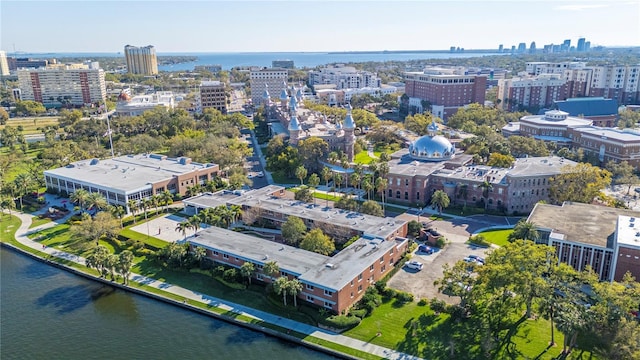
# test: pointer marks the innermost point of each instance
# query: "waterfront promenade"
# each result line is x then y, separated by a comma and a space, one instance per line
23, 231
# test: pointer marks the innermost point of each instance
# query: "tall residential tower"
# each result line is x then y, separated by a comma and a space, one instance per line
141, 60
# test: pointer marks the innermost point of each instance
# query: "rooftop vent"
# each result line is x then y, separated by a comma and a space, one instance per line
265, 257
330, 265
632, 219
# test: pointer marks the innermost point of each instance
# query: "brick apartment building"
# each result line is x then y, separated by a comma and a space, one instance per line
446, 89
333, 282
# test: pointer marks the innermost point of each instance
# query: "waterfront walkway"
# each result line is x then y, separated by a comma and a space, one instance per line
23, 231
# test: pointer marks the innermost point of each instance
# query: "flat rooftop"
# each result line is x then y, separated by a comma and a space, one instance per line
628, 231
620, 135
259, 251
568, 121
126, 173
580, 223
336, 272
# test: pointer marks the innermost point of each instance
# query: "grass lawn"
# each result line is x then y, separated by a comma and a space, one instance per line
9, 224
30, 125
37, 221
149, 240
498, 237
363, 157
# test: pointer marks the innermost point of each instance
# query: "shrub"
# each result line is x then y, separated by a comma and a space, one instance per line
479, 240
341, 321
360, 313
423, 302
390, 293
437, 305
441, 242
218, 270
230, 274
380, 285
404, 297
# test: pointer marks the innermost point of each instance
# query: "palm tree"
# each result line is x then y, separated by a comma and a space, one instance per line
325, 174
355, 180
247, 269
194, 223
381, 186
314, 181
333, 157
367, 186
236, 212
525, 230
440, 199
280, 287
463, 192
301, 173
182, 227
167, 198
338, 180
486, 186
96, 201
294, 287
133, 207
146, 204
118, 211
125, 260
80, 197
155, 201
24, 184
271, 269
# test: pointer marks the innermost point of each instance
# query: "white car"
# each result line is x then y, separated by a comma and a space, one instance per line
415, 265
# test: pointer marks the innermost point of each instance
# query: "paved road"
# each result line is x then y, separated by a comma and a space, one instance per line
21, 236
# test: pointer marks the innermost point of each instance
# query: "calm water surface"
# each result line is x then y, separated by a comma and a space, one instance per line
47, 313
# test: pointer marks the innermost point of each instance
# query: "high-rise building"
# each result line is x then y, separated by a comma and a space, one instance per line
344, 77
581, 43
27, 63
273, 79
285, 64
566, 45
212, 95
522, 47
531, 92
446, 89
4, 66
141, 60
76, 84
532, 48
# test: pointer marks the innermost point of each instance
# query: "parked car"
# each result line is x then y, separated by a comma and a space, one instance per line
425, 249
260, 174
477, 258
415, 265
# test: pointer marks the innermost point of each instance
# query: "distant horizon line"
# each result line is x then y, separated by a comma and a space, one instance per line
300, 52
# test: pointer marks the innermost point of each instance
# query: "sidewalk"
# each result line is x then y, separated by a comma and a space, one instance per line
21, 236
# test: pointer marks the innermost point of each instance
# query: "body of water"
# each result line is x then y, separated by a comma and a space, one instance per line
301, 59
47, 313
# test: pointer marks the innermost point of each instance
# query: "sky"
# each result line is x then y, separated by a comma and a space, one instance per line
303, 25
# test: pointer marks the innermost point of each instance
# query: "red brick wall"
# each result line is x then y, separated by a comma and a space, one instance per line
628, 260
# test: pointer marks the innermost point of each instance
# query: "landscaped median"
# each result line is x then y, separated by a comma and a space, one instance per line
221, 312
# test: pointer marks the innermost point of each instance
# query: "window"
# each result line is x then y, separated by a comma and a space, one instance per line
309, 298
406, 195
382, 259
352, 294
259, 276
360, 277
328, 292
225, 256
359, 288
310, 287
327, 304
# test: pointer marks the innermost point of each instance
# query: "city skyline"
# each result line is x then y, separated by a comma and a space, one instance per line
267, 26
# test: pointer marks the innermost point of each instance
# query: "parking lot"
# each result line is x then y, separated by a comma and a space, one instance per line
420, 283
457, 231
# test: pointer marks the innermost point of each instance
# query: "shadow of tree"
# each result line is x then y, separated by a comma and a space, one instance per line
71, 298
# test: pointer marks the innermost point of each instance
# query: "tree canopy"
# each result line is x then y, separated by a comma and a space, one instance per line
579, 183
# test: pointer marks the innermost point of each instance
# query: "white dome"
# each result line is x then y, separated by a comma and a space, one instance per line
432, 148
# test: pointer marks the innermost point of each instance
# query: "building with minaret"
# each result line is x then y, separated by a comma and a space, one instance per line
349, 127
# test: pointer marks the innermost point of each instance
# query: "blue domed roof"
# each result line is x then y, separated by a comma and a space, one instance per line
432, 148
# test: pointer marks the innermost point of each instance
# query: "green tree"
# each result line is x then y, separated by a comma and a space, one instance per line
182, 228
372, 208
579, 183
316, 241
499, 160
312, 151
97, 259
367, 186
381, 186
524, 230
457, 281
96, 201
118, 211
133, 207
271, 269
463, 192
301, 174
293, 230
314, 181
418, 123
294, 287
280, 286
167, 199
486, 187
125, 261
246, 270
102, 224
4, 116
29, 107
24, 183
414, 228
440, 199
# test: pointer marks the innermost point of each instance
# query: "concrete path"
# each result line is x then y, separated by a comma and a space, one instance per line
23, 231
